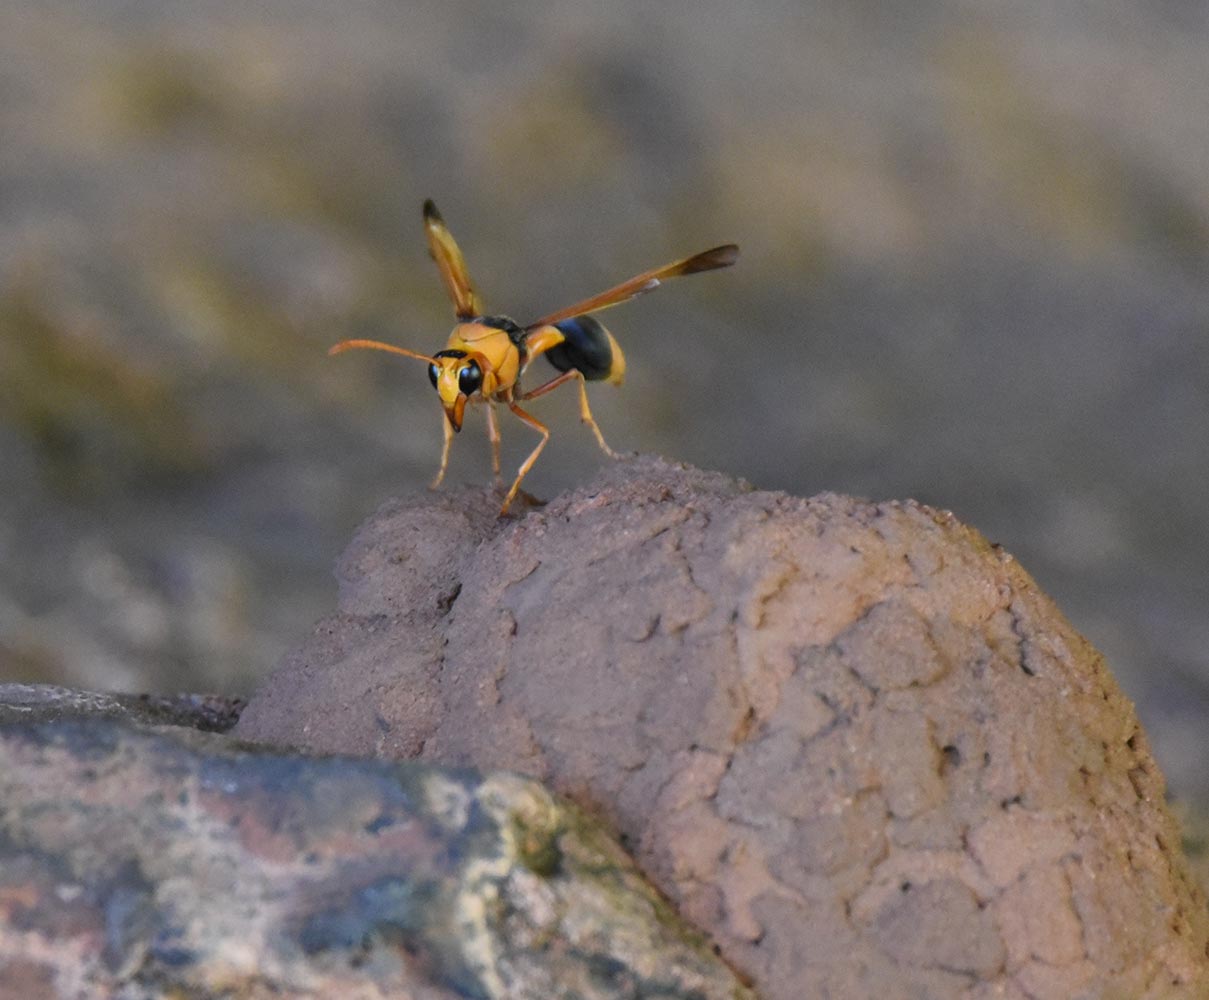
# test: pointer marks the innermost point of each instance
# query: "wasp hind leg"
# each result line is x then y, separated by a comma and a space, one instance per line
444, 453
541, 429
585, 411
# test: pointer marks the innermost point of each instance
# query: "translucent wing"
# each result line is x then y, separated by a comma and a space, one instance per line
451, 264
648, 281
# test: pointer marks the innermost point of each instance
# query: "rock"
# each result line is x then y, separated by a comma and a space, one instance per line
851, 741
209, 713
140, 864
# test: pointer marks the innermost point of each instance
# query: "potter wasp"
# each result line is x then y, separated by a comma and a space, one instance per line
487, 355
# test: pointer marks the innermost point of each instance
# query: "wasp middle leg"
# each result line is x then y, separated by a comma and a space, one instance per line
585, 412
541, 429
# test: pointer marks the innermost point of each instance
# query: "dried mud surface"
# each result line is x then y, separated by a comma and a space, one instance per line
851, 741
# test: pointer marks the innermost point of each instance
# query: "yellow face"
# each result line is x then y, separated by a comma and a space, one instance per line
457, 375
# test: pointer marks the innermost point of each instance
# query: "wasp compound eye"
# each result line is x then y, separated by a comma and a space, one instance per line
470, 378
432, 375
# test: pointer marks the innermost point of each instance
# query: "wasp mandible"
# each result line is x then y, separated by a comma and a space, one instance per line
487, 355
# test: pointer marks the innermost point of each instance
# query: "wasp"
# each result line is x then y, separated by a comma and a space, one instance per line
486, 355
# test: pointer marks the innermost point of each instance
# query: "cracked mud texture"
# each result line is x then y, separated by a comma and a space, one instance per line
851, 741
139, 864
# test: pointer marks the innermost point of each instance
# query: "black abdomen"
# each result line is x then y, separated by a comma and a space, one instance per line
587, 347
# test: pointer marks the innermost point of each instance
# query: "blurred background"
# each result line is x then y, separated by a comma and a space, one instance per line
975, 271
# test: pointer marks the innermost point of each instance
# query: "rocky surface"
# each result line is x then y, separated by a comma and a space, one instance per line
851, 741
211, 713
140, 864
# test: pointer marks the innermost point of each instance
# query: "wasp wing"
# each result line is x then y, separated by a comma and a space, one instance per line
648, 281
451, 263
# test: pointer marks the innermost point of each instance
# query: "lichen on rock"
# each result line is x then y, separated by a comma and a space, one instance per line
142, 863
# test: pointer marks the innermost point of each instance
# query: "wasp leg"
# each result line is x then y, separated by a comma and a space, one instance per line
444, 452
544, 431
585, 412
493, 435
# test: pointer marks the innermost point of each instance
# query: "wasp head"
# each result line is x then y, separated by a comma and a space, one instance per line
456, 376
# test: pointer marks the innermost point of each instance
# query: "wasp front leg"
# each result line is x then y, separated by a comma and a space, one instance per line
585, 411
493, 435
444, 453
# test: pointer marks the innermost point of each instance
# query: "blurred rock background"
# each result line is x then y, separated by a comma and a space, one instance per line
975, 271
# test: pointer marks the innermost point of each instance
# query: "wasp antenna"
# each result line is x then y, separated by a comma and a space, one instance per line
377, 345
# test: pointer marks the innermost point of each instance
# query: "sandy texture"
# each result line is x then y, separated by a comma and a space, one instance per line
140, 865
852, 741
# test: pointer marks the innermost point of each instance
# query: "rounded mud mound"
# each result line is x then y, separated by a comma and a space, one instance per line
851, 741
